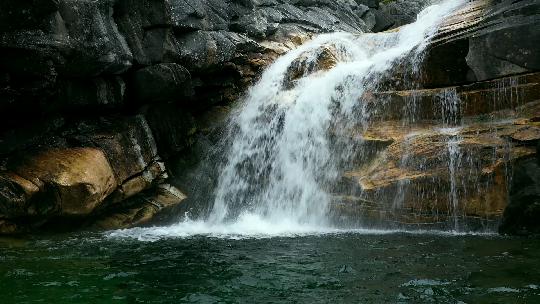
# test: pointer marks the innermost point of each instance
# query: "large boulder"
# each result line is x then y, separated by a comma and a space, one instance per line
469, 47
516, 23
95, 165
70, 182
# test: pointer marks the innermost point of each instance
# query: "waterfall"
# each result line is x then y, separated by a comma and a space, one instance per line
290, 141
283, 157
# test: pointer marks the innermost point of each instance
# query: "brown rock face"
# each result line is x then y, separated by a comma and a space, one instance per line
75, 180
461, 173
105, 165
142, 208
325, 59
459, 149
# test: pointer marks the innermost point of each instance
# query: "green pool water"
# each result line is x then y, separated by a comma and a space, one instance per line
327, 268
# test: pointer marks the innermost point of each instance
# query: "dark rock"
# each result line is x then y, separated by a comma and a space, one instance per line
370, 3
204, 49
160, 83
141, 209
172, 126
96, 46
147, 28
100, 164
193, 15
259, 24
522, 214
128, 144
24, 14
517, 25
469, 44
445, 65
404, 11
15, 192
84, 93
383, 21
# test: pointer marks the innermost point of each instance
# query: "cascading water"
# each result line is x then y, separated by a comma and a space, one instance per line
289, 142
282, 159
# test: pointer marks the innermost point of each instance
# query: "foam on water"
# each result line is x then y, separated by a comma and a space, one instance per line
281, 159
250, 226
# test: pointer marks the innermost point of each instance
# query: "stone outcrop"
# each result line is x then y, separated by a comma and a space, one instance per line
460, 150
487, 39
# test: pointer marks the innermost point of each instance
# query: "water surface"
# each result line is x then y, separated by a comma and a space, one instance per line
323, 268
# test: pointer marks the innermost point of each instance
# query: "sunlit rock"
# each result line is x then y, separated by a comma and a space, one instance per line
70, 181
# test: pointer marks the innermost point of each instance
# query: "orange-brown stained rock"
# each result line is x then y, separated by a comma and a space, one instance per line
142, 208
527, 134
303, 65
76, 179
417, 159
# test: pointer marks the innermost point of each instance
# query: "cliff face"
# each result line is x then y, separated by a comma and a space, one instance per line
98, 97
467, 155
101, 100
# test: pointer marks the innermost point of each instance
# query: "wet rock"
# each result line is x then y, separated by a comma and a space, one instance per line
324, 59
480, 98
429, 176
